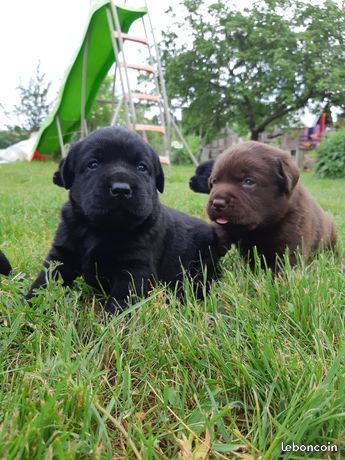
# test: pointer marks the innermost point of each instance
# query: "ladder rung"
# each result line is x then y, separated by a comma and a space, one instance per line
156, 128
164, 160
131, 38
145, 97
144, 68
104, 101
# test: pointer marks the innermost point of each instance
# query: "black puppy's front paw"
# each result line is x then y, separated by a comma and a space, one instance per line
114, 307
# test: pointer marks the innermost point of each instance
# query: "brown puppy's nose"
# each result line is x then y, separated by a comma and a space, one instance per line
120, 190
219, 203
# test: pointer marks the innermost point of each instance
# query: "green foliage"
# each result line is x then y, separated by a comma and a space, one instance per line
34, 105
257, 67
103, 108
331, 155
180, 156
259, 362
11, 136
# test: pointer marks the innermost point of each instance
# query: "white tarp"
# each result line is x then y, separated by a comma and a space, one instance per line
19, 152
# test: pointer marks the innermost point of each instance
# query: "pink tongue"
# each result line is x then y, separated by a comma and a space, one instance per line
221, 221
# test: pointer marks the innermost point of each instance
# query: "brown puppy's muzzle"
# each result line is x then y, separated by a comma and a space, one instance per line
219, 204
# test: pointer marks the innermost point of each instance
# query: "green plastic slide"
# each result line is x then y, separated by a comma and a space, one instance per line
100, 57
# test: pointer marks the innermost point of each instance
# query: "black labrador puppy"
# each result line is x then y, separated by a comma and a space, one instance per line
5, 266
199, 182
57, 178
113, 229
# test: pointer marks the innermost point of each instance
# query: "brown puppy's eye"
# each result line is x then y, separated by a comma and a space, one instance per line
93, 164
248, 182
142, 167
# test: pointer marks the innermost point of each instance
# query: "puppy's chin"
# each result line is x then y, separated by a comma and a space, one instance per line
233, 223
115, 217
237, 227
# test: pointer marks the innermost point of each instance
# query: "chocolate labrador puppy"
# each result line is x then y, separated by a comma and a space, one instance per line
200, 181
113, 229
5, 266
256, 200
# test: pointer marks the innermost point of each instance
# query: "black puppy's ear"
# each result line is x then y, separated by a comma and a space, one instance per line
288, 173
158, 171
67, 167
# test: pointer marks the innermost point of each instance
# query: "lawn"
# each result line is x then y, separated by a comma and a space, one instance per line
260, 362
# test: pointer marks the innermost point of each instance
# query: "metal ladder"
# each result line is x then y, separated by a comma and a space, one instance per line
128, 99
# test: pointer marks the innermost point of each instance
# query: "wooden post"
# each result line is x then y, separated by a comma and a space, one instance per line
300, 158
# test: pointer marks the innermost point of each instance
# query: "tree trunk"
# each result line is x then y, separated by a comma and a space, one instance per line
254, 135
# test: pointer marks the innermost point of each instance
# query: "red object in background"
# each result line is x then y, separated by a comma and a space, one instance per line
312, 136
37, 156
322, 122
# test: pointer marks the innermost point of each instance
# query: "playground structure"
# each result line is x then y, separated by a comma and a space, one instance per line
299, 141
101, 47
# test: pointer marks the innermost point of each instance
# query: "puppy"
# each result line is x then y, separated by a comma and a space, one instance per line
57, 179
200, 181
256, 200
113, 229
5, 266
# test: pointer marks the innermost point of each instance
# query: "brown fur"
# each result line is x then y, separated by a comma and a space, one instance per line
257, 199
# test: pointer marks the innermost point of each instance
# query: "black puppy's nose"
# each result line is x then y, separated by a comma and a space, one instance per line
219, 203
121, 190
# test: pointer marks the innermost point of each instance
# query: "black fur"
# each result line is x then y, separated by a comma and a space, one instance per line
5, 266
113, 229
199, 182
57, 178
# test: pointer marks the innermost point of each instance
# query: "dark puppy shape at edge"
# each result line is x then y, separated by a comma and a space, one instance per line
113, 229
57, 177
5, 266
256, 200
200, 181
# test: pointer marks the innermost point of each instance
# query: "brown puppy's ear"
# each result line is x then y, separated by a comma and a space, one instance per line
288, 174
209, 181
158, 171
67, 167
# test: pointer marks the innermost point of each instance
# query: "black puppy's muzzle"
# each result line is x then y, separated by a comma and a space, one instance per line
191, 182
121, 190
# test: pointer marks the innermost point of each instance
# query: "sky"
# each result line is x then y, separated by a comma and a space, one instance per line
50, 32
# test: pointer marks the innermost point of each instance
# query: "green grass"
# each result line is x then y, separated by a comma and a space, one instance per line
260, 362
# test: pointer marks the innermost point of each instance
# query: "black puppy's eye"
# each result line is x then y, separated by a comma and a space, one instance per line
248, 182
93, 164
142, 167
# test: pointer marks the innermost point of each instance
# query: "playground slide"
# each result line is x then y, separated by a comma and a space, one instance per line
100, 57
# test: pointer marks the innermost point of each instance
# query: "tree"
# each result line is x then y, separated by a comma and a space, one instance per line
12, 136
34, 105
102, 110
255, 68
